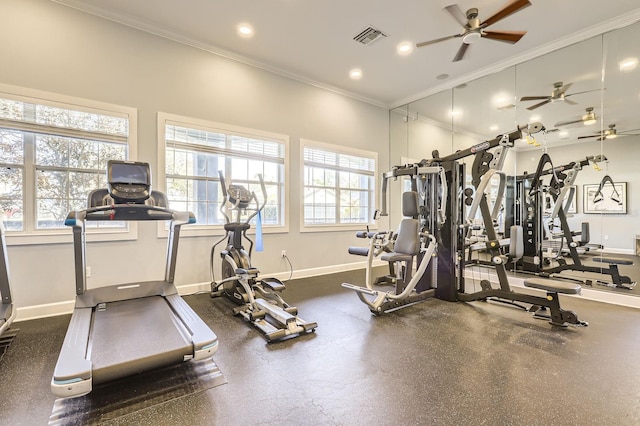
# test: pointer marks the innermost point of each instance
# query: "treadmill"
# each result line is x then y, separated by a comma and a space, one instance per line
121, 330
7, 310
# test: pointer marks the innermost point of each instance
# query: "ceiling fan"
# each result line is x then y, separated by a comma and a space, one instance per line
558, 94
587, 119
611, 133
474, 29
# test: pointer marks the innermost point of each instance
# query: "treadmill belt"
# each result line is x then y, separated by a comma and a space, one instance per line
121, 397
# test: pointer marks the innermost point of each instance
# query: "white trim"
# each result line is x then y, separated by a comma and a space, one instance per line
57, 100
340, 149
173, 36
600, 28
66, 236
66, 307
619, 251
217, 230
43, 311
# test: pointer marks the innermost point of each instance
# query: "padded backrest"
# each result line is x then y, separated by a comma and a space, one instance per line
584, 234
410, 204
408, 241
516, 245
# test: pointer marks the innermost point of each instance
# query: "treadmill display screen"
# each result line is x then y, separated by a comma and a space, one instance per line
135, 174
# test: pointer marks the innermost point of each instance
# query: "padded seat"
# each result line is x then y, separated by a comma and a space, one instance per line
613, 260
553, 286
396, 257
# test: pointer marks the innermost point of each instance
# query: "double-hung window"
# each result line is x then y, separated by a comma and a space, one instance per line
339, 186
193, 153
53, 152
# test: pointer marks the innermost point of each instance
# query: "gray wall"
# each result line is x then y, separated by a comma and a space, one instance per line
50, 47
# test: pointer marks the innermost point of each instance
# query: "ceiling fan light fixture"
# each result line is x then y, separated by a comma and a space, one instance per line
471, 37
611, 135
589, 120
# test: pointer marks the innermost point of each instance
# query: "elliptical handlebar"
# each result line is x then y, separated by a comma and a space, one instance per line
241, 203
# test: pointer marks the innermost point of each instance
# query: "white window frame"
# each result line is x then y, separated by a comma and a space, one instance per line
339, 150
206, 125
63, 235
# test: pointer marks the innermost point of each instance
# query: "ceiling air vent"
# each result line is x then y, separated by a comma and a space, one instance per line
369, 35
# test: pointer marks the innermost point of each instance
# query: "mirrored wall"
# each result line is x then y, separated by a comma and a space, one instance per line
587, 96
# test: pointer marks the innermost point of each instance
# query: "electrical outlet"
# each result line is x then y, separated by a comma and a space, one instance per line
284, 253
88, 271
606, 237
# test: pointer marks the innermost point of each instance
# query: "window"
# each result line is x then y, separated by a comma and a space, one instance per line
195, 151
53, 152
339, 185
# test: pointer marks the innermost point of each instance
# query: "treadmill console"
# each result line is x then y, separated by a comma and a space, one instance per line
129, 182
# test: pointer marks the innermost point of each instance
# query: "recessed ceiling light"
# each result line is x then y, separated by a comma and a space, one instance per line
628, 64
405, 48
245, 30
534, 118
442, 76
563, 134
456, 112
355, 74
494, 128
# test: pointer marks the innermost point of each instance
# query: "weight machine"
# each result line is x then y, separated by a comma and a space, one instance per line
451, 247
525, 207
413, 243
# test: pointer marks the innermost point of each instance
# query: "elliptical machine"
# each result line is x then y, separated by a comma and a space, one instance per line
259, 299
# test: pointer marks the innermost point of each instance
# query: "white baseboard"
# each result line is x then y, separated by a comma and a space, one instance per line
42, 311
66, 307
618, 251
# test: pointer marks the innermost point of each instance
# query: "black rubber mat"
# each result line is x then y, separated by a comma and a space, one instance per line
6, 339
131, 394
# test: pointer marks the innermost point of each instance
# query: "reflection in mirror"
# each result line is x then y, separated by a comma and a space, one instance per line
563, 90
587, 96
416, 130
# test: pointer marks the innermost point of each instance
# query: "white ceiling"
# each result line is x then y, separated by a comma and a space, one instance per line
313, 40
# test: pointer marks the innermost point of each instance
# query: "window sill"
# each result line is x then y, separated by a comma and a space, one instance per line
338, 228
64, 236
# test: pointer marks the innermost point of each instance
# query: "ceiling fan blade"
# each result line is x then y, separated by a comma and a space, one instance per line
570, 102
534, 98
626, 132
532, 107
455, 11
438, 40
585, 91
566, 123
506, 36
590, 136
510, 8
461, 52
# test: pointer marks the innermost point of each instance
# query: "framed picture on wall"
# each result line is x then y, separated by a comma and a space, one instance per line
612, 199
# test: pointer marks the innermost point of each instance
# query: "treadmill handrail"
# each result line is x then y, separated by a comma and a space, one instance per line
128, 212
